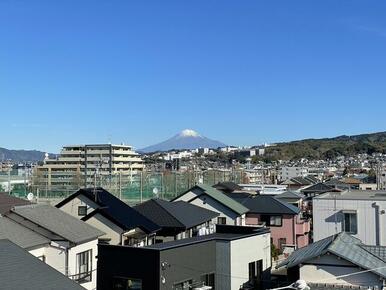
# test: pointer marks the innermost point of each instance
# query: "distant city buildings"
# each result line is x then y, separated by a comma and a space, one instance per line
288, 172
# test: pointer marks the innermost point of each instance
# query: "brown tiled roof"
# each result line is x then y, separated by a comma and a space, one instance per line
8, 201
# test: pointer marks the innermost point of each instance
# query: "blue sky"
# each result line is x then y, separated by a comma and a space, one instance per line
242, 72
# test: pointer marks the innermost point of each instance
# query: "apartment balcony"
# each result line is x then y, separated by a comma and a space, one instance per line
98, 151
71, 152
123, 152
132, 166
302, 227
71, 159
126, 159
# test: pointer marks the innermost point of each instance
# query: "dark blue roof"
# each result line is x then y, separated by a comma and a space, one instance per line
177, 214
114, 209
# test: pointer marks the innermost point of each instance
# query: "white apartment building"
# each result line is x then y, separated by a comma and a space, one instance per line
288, 172
360, 213
78, 165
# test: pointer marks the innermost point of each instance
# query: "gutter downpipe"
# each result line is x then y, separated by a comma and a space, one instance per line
66, 263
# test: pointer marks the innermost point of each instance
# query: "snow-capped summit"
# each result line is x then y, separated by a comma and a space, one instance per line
188, 133
186, 139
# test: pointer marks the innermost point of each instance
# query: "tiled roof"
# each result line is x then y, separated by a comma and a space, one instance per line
20, 270
178, 214
20, 235
342, 245
221, 198
264, 204
8, 201
114, 209
58, 222
317, 188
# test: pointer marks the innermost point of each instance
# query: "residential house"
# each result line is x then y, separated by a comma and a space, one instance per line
21, 270
292, 197
232, 258
289, 230
121, 223
73, 244
337, 184
300, 182
360, 213
231, 212
352, 182
177, 220
316, 189
338, 260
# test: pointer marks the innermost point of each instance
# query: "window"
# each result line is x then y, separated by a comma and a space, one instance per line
222, 220
350, 222
121, 283
275, 221
272, 220
255, 273
84, 266
82, 210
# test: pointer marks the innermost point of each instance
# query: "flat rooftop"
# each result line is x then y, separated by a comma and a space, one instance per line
207, 238
354, 195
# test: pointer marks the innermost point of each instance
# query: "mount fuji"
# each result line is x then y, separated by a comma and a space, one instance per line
186, 139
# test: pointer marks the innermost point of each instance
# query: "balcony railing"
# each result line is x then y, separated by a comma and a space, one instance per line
82, 277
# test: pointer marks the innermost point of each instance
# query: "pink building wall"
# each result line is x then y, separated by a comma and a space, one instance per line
293, 229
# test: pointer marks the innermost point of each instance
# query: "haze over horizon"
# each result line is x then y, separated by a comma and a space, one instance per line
242, 73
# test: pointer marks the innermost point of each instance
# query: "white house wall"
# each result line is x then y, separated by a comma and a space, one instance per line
71, 207
324, 213
247, 250
318, 271
54, 257
207, 202
113, 232
92, 245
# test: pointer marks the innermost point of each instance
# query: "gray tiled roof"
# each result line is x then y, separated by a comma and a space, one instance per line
58, 222
342, 245
290, 195
20, 235
178, 214
21, 270
264, 204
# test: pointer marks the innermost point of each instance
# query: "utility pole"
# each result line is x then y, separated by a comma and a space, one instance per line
141, 184
120, 185
9, 180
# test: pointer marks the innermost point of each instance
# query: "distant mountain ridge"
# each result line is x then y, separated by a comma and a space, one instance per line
21, 155
186, 139
329, 148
